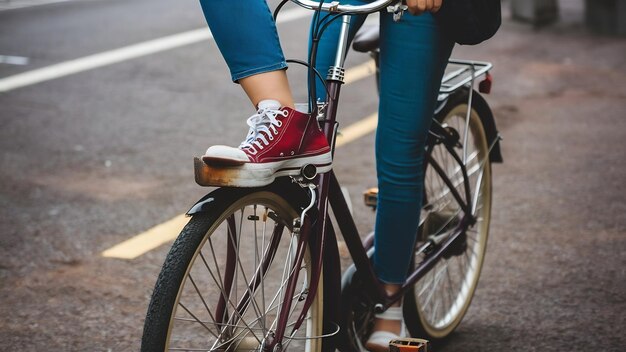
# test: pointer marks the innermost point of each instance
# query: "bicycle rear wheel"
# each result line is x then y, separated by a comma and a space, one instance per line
223, 282
438, 301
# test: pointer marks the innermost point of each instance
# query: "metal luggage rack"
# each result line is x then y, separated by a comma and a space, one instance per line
462, 72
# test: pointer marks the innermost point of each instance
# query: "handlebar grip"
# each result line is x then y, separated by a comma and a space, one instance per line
336, 7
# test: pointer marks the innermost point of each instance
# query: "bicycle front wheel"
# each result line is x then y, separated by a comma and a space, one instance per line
224, 280
439, 300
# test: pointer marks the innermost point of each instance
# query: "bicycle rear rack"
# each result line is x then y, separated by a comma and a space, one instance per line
460, 73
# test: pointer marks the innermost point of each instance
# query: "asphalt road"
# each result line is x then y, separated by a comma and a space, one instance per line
91, 159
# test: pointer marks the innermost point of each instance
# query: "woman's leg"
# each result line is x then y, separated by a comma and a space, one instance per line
246, 35
280, 140
413, 56
271, 85
414, 53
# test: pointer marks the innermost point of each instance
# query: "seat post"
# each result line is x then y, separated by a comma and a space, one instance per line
337, 71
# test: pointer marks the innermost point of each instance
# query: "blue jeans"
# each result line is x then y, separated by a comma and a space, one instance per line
413, 56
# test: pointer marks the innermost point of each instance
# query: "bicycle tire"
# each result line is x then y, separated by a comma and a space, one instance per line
357, 311
185, 308
435, 307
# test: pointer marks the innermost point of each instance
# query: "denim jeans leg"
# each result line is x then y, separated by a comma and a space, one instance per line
414, 54
246, 35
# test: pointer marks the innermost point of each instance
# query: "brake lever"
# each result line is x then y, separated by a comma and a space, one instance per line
397, 10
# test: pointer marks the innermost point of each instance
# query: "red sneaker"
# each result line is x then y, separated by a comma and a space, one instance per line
280, 141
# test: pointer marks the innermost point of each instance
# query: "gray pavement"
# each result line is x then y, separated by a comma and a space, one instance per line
91, 159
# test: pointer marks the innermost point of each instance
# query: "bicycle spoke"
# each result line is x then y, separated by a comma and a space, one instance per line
433, 314
455, 178
249, 297
186, 349
287, 274
462, 267
261, 316
470, 237
449, 290
189, 320
196, 319
233, 287
436, 278
469, 260
201, 297
225, 295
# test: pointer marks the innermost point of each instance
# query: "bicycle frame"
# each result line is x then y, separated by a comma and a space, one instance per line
324, 252
329, 191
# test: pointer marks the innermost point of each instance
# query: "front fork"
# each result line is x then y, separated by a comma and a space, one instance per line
301, 227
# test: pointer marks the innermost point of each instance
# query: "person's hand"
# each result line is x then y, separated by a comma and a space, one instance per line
417, 7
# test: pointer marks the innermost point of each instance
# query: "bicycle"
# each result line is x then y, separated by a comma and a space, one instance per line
252, 268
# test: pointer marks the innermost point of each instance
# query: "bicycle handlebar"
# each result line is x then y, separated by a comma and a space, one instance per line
336, 7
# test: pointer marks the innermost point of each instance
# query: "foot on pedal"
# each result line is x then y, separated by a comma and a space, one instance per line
280, 142
380, 339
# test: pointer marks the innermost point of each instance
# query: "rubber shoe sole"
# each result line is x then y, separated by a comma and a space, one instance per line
256, 174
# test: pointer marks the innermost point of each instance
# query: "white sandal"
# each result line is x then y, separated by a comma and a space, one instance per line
379, 340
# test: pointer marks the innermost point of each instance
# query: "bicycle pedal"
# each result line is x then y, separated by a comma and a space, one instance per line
408, 344
370, 197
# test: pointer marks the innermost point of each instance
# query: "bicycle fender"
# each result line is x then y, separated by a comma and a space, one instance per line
294, 194
489, 123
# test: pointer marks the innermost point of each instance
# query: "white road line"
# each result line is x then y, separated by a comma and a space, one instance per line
160, 234
14, 60
121, 54
18, 4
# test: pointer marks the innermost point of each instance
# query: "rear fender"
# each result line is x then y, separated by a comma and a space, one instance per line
484, 112
489, 124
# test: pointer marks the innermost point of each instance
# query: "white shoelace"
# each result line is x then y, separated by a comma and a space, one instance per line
263, 126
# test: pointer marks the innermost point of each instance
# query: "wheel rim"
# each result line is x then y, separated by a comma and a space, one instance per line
234, 286
444, 294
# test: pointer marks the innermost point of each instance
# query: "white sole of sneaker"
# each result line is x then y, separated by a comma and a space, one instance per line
256, 175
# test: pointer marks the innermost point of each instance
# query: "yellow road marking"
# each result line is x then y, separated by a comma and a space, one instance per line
168, 231
357, 130
359, 72
148, 240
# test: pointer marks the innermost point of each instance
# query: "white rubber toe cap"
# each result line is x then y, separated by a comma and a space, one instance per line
226, 153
